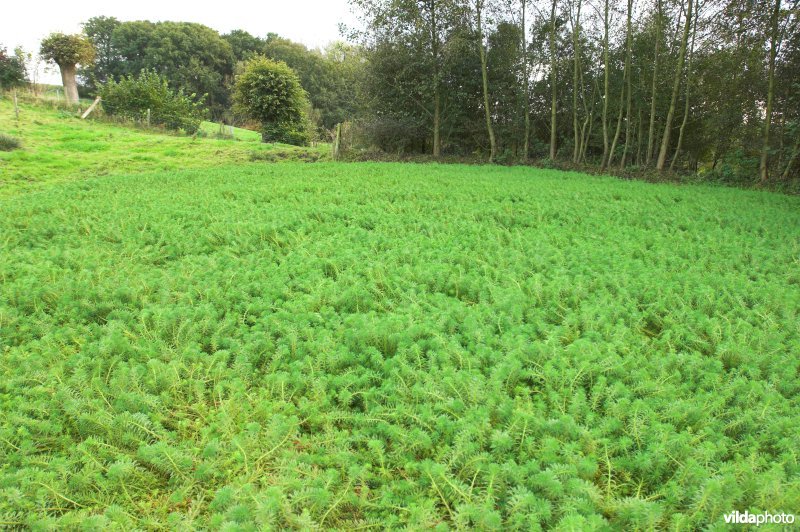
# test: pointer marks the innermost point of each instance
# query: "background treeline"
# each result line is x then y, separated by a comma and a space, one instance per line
198, 60
705, 88
708, 86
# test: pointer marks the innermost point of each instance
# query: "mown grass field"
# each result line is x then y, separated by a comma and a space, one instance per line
382, 345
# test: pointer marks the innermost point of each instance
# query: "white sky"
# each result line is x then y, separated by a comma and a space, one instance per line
314, 23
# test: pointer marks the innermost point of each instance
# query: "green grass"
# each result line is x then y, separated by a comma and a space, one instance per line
212, 129
58, 146
330, 345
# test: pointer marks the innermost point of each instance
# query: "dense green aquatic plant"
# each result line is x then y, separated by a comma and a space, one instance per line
372, 345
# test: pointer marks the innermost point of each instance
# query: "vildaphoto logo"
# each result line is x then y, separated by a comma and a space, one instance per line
746, 518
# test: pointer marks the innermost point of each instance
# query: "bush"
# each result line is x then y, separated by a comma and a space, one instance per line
270, 92
131, 97
9, 143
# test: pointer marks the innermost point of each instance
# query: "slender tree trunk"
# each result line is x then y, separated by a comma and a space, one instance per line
68, 73
773, 52
688, 92
628, 88
527, 85
437, 98
662, 154
619, 122
639, 134
485, 76
606, 24
553, 81
576, 32
595, 90
792, 159
652, 132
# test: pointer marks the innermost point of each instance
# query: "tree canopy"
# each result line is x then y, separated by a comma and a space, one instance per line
67, 50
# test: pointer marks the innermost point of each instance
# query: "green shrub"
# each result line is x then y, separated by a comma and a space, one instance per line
9, 143
131, 97
270, 92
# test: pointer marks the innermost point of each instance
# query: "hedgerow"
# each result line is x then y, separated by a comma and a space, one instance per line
148, 97
385, 345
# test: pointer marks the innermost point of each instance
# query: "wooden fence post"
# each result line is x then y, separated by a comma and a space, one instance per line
337, 140
91, 108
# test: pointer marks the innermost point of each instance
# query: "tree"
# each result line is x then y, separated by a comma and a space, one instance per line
606, 75
193, 57
270, 92
774, 43
106, 65
479, 6
652, 129
68, 51
687, 91
662, 155
422, 25
244, 45
553, 80
12, 69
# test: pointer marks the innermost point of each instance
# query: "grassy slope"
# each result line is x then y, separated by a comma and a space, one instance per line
57, 147
318, 345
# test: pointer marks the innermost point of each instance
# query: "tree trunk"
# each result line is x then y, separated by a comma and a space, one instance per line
619, 123
576, 29
652, 132
606, 24
688, 91
68, 73
639, 134
628, 78
792, 159
527, 93
437, 140
485, 76
553, 80
662, 154
773, 52
588, 135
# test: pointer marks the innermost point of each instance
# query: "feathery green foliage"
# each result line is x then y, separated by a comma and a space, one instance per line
386, 345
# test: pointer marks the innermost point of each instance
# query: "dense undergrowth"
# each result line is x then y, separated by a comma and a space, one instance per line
361, 345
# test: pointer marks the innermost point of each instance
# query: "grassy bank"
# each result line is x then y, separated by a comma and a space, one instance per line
57, 146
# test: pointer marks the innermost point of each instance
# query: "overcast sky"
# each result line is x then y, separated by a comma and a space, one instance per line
312, 22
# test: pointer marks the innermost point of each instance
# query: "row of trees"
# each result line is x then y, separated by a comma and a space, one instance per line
200, 61
197, 61
625, 85
686, 85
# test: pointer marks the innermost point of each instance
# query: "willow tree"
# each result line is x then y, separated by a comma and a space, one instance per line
67, 51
